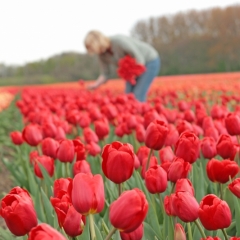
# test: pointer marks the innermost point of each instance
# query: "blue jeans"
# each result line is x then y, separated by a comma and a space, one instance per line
144, 81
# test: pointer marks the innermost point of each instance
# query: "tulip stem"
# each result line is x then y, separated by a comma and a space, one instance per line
149, 157
173, 186
161, 204
119, 189
200, 228
92, 229
225, 234
221, 190
112, 231
190, 237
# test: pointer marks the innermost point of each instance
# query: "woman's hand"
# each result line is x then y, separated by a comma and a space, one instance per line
101, 79
92, 86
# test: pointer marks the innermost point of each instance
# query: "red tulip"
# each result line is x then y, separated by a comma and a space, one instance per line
18, 211
68, 218
91, 200
137, 206
168, 205
16, 137
156, 179
142, 153
81, 167
172, 136
44, 231
140, 133
184, 185
187, 147
178, 169
214, 213
225, 147
32, 134
179, 233
232, 122
46, 162
93, 149
65, 152
49, 147
101, 128
118, 156
208, 147
90, 135
49, 129
166, 154
79, 149
185, 206
234, 187
152, 162
61, 184
219, 171
156, 134
137, 234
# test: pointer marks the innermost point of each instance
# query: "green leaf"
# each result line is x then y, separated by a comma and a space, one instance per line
48, 208
237, 214
86, 233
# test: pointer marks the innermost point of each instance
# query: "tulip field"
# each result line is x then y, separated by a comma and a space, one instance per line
99, 165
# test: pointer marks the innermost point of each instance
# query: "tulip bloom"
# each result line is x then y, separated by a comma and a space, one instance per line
168, 205
90, 135
137, 234
81, 167
61, 184
214, 213
88, 193
17, 138
166, 154
156, 134
184, 185
225, 147
18, 211
65, 152
79, 149
234, 187
156, 179
101, 128
140, 133
45, 231
137, 206
178, 169
179, 233
219, 171
153, 162
93, 149
187, 147
118, 161
68, 218
185, 206
142, 153
232, 122
46, 162
32, 134
208, 147
49, 147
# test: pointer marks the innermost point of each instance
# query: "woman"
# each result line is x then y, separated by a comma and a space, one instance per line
111, 49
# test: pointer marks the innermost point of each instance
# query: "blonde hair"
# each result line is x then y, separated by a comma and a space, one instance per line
96, 42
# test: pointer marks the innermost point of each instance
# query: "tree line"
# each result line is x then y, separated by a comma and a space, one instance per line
188, 42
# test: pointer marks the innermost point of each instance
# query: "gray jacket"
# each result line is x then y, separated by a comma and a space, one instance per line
122, 45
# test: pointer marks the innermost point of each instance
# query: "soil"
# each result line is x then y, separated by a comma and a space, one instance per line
6, 184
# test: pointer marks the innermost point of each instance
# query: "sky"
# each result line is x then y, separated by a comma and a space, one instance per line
31, 30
